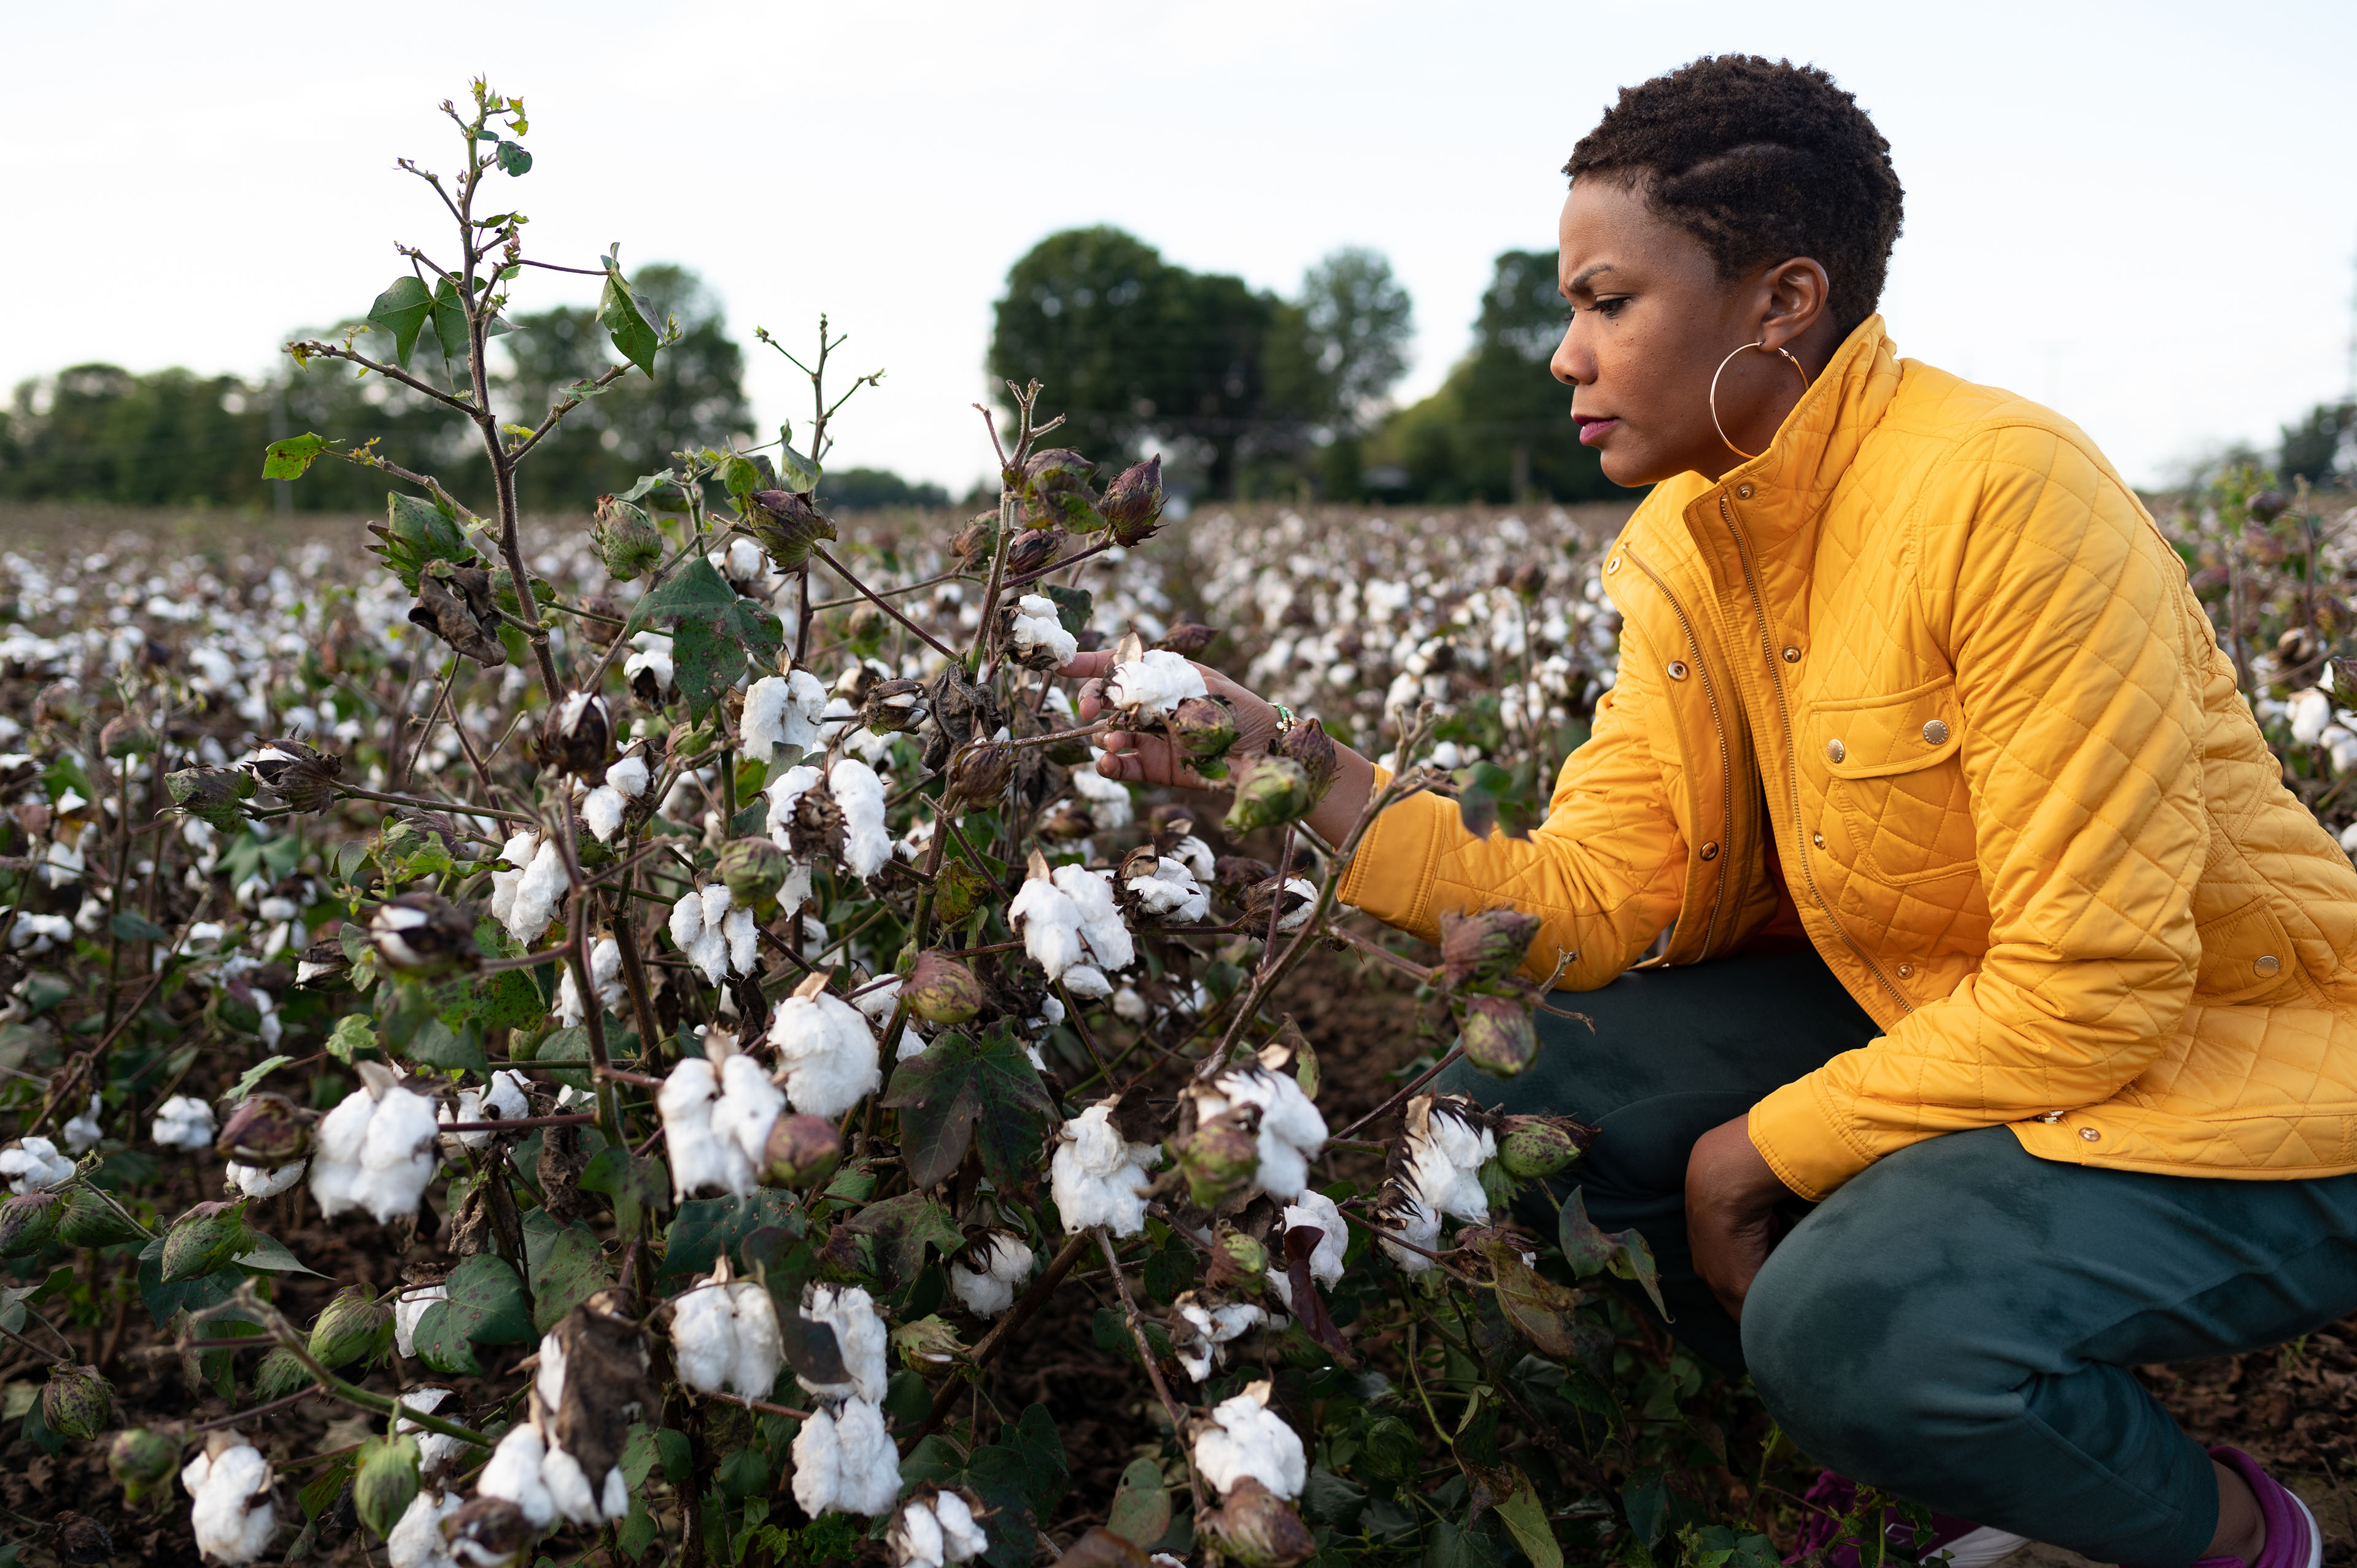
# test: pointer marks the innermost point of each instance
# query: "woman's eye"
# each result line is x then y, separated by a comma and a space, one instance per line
1608, 308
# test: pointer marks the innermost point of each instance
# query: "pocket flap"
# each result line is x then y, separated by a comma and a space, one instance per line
1873, 737
2244, 954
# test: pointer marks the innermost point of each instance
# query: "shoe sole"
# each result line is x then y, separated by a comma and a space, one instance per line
2315, 1535
1982, 1547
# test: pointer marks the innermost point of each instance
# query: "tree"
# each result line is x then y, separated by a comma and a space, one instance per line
1500, 427
1339, 349
2314, 447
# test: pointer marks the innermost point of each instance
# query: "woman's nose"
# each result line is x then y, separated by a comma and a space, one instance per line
1567, 365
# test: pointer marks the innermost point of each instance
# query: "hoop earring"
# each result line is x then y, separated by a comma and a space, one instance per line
1763, 347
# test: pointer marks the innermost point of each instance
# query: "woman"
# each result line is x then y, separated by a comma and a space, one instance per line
1998, 958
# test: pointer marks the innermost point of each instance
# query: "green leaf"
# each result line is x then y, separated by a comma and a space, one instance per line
253, 1076
133, 927
1072, 606
674, 1453
902, 1226
442, 1343
716, 633
401, 310
511, 1001
270, 1254
705, 1227
516, 163
1046, 1472
488, 1300
449, 320
194, 1296
574, 1267
1525, 1519
1646, 1497
960, 1094
799, 473
740, 475
436, 1043
289, 459
626, 323
1141, 1505
319, 1493
1626, 1253
353, 1034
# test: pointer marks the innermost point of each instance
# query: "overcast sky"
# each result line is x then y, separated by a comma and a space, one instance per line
2142, 214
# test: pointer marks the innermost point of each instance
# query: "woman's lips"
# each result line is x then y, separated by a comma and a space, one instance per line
1593, 430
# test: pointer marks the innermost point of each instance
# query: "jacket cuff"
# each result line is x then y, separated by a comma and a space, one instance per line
1803, 1142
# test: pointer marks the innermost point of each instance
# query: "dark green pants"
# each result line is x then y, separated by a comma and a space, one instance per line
1957, 1324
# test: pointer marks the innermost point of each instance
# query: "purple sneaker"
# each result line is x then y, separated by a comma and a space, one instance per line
2293, 1540
1957, 1542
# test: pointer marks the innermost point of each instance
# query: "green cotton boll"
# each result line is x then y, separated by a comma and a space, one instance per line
27, 1221
141, 1460
89, 1220
754, 869
1498, 1035
1531, 1147
204, 1239
352, 1327
211, 795
1220, 1160
940, 990
1271, 791
278, 1374
77, 1402
384, 1481
626, 539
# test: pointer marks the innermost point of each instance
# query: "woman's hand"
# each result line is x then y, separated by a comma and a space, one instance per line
1148, 759
1731, 1198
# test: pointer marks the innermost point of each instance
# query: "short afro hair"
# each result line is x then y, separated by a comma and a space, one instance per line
1760, 160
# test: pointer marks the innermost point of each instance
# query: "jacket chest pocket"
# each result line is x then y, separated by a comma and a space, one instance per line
1897, 781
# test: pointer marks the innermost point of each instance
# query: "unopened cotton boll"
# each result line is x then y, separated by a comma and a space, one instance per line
416, 1540
1159, 682
409, 1310
1171, 892
1446, 1153
993, 1270
828, 1051
844, 1462
231, 1510
375, 1151
184, 1121
782, 710
1247, 1438
1038, 637
859, 1335
1292, 1132
1315, 1211
265, 1181
82, 1132
1096, 1177
605, 972
860, 795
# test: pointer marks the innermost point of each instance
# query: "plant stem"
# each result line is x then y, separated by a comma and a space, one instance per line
989, 1344
1153, 1368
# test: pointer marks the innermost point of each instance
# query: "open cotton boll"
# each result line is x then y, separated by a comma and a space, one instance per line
2310, 711
935, 1531
1087, 982
1037, 635
844, 1462
374, 1151
1171, 892
1215, 1327
878, 1000
184, 1123
82, 1132
265, 1181
993, 1270
761, 1346
601, 811
653, 655
513, 1472
231, 1511
629, 776
605, 972
1292, 1132
436, 1452
1446, 1154
1101, 923
684, 1103
517, 852
859, 1335
859, 794
697, 930
1315, 1211
1301, 894
409, 1310
785, 793
749, 1106
528, 900
743, 935
580, 1498
416, 1540
828, 1051
1159, 682
1068, 918
1108, 799
504, 1099
703, 1338
1196, 857
1247, 1438
1096, 1177
1415, 1223
782, 710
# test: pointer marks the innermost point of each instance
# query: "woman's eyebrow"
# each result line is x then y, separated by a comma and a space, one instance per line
1581, 281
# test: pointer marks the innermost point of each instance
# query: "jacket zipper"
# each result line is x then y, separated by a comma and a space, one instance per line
1791, 759
1718, 727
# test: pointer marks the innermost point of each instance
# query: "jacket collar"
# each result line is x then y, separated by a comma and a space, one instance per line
1792, 481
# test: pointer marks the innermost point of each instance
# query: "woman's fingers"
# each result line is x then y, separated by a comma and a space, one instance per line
1087, 666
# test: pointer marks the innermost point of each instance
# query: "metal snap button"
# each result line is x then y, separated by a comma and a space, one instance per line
1710, 852
2269, 964
1791, 656
1906, 971
1677, 670
1936, 732
2051, 1117
1612, 566
1817, 839
1835, 751
2089, 1134
1743, 492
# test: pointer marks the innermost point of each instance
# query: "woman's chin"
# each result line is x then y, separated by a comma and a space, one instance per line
1629, 467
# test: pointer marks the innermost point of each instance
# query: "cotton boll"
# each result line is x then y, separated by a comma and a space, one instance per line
749, 1106
1108, 799
1051, 925
877, 1002
408, 1310
513, 1472
1100, 924
630, 777
703, 1338
518, 853
1415, 1223
1214, 1327
265, 1181
2310, 711
859, 1335
859, 794
686, 1103
829, 1053
1195, 856
416, 1539
525, 901
961, 1533
818, 1463
1247, 1438
436, 1452
1087, 982
1157, 682
185, 1122
870, 1482
1446, 1153
231, 1511
1171, 893
782, 710
1300, 896
744, 939
580, 1497
1129, 1006
1038, 638
1315, 1211
695, 929
601, 811
397, 1158
916, 1538
1095, 1177
993, 1268
761, 1346
1292, 1132
82, 1132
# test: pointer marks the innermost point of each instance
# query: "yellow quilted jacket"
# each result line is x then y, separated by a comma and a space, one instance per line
2025, 817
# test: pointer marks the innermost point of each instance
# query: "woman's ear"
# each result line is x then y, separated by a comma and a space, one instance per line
1797, 292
